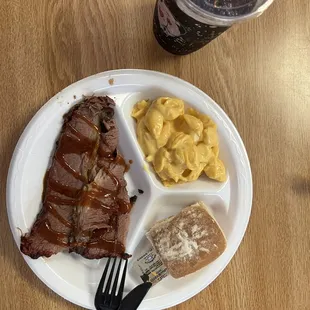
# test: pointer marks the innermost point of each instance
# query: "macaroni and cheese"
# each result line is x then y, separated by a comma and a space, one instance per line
180, 144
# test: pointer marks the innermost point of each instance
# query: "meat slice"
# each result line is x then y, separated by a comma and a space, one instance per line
101, 218
87, 141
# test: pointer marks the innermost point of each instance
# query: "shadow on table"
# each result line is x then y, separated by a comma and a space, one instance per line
301, 185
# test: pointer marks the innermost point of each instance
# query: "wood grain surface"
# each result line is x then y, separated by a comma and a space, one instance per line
259, 72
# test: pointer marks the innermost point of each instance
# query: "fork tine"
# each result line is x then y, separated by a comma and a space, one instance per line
101, 283
108, 285
115, 281
121, 287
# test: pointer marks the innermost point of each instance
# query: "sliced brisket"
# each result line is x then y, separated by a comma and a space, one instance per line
84, 210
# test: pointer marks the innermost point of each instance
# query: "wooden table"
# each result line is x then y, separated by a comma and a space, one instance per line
259, 72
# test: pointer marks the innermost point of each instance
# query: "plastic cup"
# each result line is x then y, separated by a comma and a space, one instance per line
184, 26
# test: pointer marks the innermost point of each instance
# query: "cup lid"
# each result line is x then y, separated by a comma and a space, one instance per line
227, 11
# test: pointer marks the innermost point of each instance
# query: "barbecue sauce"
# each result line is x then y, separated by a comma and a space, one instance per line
92, 199
51, 235
74, 142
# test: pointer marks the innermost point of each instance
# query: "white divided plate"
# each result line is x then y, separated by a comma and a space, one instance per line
76, 278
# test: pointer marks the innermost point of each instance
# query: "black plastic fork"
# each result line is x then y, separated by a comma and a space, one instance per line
108, 299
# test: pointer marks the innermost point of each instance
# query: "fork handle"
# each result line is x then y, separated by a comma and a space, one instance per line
134, 298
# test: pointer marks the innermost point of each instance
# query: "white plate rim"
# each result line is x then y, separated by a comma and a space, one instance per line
110, 74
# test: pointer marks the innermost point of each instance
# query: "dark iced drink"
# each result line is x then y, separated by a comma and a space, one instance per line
184, 26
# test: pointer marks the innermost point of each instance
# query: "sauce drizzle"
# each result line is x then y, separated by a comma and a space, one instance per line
112, 246
51, 235
58, 216
66, 190
71, 142
115, 205
74, 142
